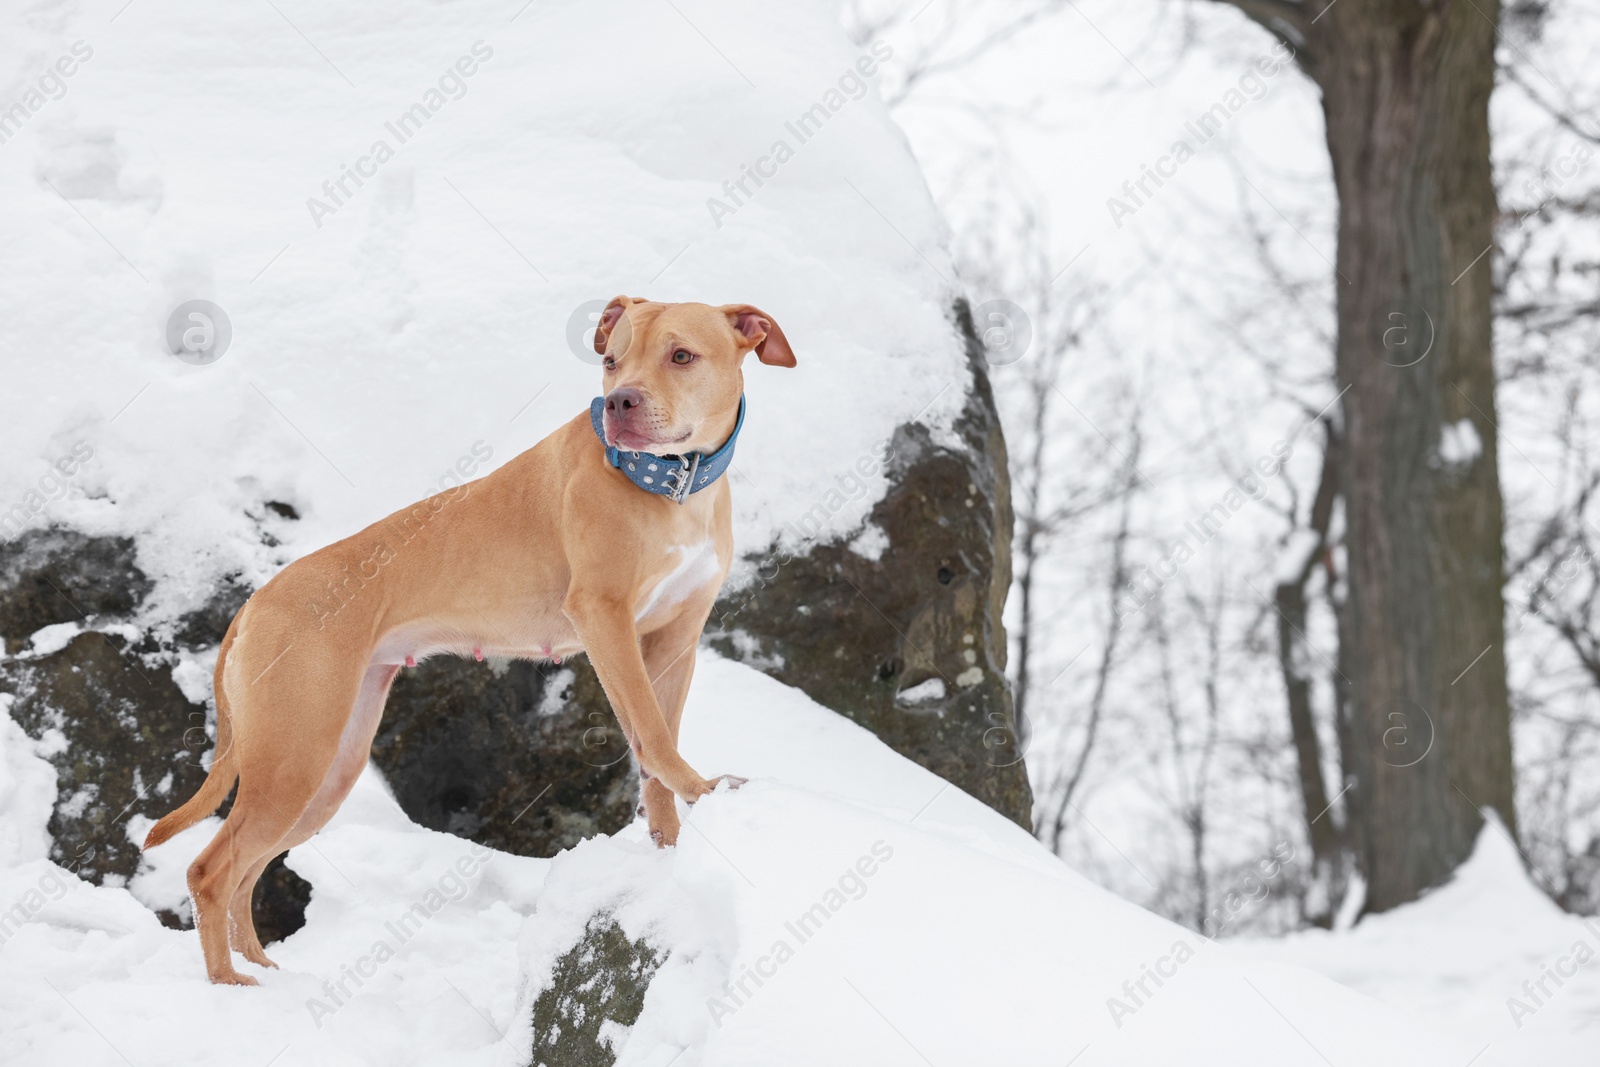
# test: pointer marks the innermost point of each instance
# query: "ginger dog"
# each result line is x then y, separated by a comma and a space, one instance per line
573, 546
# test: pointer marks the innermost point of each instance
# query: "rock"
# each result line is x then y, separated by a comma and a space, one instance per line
910, 645
601, 980
54, 575
522, 757
123, 753
204, 627
130, 742
279, 905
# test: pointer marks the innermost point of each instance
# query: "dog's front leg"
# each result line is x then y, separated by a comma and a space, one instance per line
606, 627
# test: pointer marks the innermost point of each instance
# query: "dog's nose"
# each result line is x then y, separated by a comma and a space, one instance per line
623, 400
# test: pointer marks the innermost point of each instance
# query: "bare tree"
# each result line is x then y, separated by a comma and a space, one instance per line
1044, 503
1545, 309
1193, 757
1308, 547
1006, 260
1405, 94
1116, 591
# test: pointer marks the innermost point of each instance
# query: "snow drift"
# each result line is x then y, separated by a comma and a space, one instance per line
886, 915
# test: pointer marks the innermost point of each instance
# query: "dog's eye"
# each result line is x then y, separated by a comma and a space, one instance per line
682, 356
610, 363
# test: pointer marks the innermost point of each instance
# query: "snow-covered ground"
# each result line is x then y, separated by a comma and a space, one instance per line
1487, 958
945, 935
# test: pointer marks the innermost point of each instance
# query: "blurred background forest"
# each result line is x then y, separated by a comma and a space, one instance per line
1155, 346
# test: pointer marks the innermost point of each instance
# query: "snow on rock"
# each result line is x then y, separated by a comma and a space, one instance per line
845, 906
584, 1016
1461, 956
871, 542
52, 639
27, 791
192, 674
923, 692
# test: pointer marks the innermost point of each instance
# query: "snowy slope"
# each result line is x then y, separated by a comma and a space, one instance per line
965, 943
1488, 957
422, 317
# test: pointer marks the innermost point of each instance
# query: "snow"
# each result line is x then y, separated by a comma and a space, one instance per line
421, 328
48, 640
27, 791
192, 673
912, 918
923, 692
1457, 957
1459, 444
1294, 555
52, 639
871, 542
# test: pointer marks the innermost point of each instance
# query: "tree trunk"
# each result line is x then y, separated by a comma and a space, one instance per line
1295, 661
1426, 723
1406, 96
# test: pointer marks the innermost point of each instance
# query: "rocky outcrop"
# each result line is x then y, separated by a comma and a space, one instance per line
54, 576
115, 729
124, 739
910, 644
597, 986
522, 757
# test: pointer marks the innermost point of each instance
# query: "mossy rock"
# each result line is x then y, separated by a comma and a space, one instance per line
523, 757
123, 738
599, 981
909, 645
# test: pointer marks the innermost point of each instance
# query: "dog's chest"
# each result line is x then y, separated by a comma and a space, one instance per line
689, 568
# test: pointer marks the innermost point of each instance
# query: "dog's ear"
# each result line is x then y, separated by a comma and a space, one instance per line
609, 319
761, 332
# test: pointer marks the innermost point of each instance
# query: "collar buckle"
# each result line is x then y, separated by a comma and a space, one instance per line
683, 483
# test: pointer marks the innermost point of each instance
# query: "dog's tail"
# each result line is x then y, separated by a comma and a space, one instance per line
224, 767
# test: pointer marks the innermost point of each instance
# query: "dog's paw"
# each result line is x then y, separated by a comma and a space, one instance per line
709, 785
259, 958
233, 978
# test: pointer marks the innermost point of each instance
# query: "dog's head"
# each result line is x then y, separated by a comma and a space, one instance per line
673, 372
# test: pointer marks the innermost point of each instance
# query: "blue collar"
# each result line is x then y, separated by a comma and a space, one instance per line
669, 476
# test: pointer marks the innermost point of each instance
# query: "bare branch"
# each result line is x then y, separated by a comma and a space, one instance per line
1118, 580
1285, 20
1565, 117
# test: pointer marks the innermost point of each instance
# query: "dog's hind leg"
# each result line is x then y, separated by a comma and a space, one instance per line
242, 936
262, 815
287, 724
355, 743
